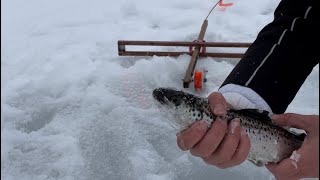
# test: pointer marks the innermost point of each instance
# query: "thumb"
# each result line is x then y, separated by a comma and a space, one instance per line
293, 120
218, 104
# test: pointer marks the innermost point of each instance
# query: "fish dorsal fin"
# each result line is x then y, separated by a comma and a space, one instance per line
257, 114
264, 116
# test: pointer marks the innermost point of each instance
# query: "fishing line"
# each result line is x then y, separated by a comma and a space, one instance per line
212, 9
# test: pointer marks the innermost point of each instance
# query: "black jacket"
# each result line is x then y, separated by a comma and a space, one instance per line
283, 54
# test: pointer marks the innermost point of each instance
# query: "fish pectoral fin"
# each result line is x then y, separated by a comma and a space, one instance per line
257, 163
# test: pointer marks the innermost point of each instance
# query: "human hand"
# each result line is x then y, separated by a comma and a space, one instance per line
221, 145
305, 164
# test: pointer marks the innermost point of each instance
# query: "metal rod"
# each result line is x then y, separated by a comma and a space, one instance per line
183, 43
212, 10
175, 54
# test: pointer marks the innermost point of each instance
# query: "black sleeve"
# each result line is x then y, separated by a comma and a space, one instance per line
283, 55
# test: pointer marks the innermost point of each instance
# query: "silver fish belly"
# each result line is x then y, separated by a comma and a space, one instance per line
269, 142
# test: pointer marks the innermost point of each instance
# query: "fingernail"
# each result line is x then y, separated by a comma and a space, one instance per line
243, 132
218, 109
274, 118
233, 125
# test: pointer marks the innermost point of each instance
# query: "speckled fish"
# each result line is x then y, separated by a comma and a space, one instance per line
269, 142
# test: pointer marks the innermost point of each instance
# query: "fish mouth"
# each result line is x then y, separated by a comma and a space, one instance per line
169, 96
159, 95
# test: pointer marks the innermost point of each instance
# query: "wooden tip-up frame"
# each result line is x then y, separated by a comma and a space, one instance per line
196, 49
123, 52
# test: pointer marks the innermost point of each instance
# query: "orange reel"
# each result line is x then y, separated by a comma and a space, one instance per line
199, 80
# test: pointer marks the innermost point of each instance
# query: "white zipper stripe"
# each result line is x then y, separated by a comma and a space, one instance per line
294, 21
307, 12
274, 46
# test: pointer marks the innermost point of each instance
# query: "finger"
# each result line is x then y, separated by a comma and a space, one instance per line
189, 137
285, 169
241, 153
211, 140
218, 104
294, 120
228, 146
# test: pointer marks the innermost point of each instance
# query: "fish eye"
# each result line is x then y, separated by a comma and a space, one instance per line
176, 101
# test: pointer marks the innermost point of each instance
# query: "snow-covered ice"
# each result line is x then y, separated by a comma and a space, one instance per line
71, 108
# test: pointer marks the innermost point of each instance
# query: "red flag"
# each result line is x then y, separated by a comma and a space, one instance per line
221, 4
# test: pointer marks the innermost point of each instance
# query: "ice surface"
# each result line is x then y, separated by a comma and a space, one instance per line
72, 109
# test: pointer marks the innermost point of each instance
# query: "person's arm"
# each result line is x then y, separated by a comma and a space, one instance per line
280, 59
267, 77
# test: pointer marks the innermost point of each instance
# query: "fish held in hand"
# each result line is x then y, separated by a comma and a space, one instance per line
269, 142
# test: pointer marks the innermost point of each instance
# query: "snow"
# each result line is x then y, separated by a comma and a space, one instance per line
71, 108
